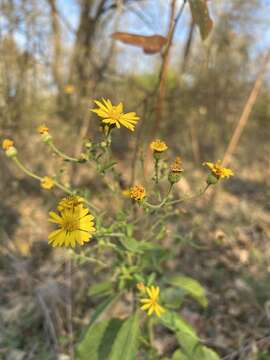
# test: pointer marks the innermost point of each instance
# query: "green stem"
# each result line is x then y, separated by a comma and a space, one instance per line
157, 206
61, 154
25, 170
110, 235
156, 171
200, 193
39, 178
150, 332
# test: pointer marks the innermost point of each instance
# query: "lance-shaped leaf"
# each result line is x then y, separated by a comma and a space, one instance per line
191, 287
113, 339
200, 15
125, 346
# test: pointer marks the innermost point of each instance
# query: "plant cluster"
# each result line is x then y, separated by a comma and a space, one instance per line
126, 246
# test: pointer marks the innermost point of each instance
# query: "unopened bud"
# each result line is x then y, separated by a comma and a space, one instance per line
174, 177
11, 152
212, 180
46, 137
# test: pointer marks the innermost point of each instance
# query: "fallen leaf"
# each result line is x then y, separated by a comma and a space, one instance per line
150, 44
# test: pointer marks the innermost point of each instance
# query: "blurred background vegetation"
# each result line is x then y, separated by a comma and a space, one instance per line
56, 57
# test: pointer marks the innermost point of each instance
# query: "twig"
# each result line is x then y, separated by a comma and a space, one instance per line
68, 271
165, 64
48, 320
246, 348
246, 112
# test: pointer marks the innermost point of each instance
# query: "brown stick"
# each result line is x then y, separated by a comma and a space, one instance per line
246, 112
165, 65
68, 273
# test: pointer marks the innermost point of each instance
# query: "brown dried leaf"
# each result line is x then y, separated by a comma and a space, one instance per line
150, 44
201, 17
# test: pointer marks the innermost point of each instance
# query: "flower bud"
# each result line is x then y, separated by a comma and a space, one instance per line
212, 179
47, 183
46, 137
174, 177
175, 171
11, 152
88, 144
157, 155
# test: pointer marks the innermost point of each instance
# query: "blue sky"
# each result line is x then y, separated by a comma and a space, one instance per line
155, 20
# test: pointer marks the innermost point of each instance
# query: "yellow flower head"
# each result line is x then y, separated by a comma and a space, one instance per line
151, 304
43, 129
7, 144
141, 287
75, 226
70, 202
218, 171
47, 183
158, 146
69, 89
113, 115
137, 192
177, 165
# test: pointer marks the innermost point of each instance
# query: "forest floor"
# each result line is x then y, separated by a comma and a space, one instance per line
225, 246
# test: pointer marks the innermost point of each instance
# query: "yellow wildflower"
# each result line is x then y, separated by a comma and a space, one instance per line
10, 150
137, 192
70, 202
47, 183
151, 304
43, 129
7, 144
177, 165
218, 171
75, 227
113, 114
69, 89
158, 146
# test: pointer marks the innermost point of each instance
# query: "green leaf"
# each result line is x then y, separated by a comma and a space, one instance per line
177, 324
204, 353
101, 289
97, 343
188, 343
194, 349
201, 17
102, 307
185, 334
178, 355
172, 297
131, 244
191, 286
126, 343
